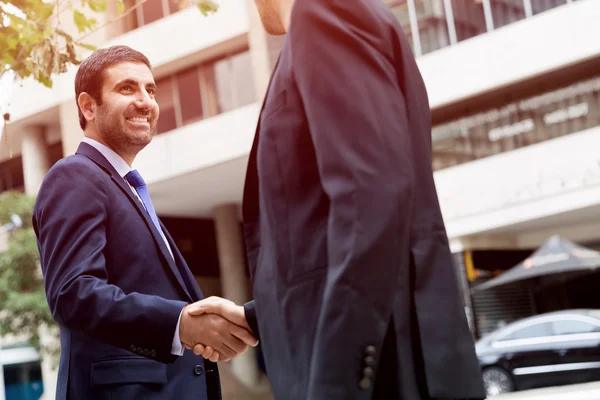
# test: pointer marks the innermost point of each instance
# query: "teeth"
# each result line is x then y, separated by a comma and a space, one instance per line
138, 119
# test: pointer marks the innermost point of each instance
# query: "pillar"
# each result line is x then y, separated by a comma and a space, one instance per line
234, 281
35, 158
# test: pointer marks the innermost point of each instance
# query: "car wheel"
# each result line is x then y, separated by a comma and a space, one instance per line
497, 381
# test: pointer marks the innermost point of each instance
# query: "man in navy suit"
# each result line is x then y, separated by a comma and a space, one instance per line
115, 281
355, 296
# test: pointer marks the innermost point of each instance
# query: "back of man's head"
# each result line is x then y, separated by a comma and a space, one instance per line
90, 76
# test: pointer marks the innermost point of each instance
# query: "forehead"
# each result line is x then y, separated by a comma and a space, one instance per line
138, 72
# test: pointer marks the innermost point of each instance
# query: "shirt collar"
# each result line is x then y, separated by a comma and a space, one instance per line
113, 158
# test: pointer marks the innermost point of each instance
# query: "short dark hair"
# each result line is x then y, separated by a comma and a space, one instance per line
90, 75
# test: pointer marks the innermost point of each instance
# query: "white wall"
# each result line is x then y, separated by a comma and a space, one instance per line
163, 42
197, 146
552, 177
513, 53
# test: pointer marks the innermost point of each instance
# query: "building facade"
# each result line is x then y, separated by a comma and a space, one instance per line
514, 88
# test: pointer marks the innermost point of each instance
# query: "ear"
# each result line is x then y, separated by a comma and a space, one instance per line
87, 105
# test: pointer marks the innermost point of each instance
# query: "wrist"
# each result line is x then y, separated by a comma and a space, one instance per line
183, 324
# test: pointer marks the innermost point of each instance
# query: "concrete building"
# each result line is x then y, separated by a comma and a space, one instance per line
514, 88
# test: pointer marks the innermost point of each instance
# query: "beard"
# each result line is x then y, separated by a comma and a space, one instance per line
116, 132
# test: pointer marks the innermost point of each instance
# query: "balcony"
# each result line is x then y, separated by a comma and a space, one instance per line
435, 24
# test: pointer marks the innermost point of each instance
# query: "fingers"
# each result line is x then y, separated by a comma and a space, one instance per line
199, 350
208, 353
242, 334
212, 305
224, 337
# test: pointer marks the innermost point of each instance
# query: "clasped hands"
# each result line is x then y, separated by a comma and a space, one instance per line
216, 329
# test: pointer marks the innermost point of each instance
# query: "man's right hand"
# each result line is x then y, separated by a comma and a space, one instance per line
228, 339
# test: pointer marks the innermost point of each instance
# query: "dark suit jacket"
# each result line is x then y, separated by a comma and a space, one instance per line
342, 222
113, 288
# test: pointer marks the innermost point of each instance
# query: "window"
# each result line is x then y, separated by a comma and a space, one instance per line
188, 86
205, 90
231, 81
468, 18
152, 10
574, 327
165, 97
541, 6
518, 123
530, 332
11, 175
22, 374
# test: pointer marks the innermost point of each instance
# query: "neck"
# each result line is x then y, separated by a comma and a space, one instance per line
126, 156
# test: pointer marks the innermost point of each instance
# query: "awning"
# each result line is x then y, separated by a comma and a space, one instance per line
556, 256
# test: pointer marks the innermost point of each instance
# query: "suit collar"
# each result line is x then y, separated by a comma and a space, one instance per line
111, 156
90, 152
87, 150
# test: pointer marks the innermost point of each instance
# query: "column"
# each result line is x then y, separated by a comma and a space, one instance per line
70, 131
234, 281
35, 158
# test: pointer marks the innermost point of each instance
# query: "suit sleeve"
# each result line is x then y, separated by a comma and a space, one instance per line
70, 223
251, 318
345, 73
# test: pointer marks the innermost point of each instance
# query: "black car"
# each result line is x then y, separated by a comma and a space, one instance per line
550, 349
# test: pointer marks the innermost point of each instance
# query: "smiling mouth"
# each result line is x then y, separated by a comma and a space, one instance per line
138, 119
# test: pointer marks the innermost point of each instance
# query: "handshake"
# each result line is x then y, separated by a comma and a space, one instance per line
216, 329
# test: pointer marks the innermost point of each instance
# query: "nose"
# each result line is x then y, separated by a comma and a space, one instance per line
144, 100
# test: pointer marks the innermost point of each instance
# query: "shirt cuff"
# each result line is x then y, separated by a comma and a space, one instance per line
177, 347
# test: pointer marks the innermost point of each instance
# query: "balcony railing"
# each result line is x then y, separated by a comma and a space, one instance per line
433, 24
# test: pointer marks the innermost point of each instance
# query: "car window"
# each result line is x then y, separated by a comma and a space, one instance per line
573, 327
532, 331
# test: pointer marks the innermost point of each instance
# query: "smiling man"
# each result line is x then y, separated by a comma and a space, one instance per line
115, 281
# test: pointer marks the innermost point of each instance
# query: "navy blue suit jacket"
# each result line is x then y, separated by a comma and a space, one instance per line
113, 288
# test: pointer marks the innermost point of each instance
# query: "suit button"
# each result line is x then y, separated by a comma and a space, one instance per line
139, 350
146, 353
132, 348
153, 353
368, 372
370, 361
365, 383
370, 351
198, 370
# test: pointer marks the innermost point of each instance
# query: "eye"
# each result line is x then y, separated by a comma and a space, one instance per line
127, 88
151, 91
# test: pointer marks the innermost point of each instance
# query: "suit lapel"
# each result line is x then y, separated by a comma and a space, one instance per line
188, 277
251, 200
250, 205
99, 159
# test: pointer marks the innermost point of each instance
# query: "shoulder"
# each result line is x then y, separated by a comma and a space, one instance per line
366, 13
370, 22
76, 165
74, 175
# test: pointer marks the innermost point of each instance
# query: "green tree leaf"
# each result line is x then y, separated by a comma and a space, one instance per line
120, 6
80, 20
87, 46
22, 296
207, 7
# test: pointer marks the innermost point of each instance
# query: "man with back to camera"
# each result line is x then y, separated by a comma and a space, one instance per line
115, 281
355, 294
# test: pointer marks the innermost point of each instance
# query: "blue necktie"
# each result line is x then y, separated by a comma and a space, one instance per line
135, 179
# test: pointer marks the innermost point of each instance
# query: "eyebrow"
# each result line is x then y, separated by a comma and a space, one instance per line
134, 83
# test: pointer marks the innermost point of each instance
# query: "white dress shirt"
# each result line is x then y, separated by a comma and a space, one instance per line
123, 169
